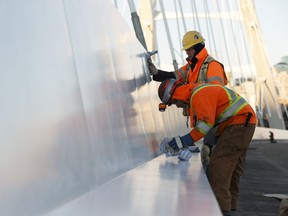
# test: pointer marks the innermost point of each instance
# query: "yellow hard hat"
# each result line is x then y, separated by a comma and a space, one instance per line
191, 38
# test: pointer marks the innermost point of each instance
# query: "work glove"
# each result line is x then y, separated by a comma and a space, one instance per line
188, 147
174, 146
205, 155
152, 69
164, 142
185, 154
210, 138
169, 147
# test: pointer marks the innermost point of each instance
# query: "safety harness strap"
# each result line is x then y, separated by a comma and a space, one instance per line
203, 72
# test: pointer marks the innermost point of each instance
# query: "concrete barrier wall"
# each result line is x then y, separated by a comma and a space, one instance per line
77, 104
263, 133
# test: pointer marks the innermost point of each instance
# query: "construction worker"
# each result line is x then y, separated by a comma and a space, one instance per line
200, 68
214, 108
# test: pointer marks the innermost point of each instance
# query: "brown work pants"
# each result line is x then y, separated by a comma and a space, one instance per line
226, 164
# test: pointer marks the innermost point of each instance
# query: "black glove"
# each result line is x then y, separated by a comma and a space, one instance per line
152, 69
210, 138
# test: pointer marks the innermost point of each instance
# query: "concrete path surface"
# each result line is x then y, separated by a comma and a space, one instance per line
266, 172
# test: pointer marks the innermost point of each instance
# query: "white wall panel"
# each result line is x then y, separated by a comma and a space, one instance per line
77, 105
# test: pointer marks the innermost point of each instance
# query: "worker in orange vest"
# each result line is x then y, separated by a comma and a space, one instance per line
219, 109
200, 67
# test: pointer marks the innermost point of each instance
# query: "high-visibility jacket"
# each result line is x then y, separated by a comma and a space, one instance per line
206, 70
215, 105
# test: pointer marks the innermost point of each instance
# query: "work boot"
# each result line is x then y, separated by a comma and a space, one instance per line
235, 213
226, 213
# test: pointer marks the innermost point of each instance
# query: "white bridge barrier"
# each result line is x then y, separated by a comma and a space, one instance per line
163, 186
78, 107
263, 133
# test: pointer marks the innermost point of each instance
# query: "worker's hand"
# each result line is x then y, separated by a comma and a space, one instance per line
169, 147
152, 69
163, 144
205, 155
210, 138
186, 153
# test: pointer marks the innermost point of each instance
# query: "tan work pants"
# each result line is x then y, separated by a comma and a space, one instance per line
226, 164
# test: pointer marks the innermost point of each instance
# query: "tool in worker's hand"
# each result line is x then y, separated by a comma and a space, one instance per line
152, 69
149, 54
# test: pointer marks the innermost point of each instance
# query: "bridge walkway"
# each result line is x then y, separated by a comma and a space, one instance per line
266, 174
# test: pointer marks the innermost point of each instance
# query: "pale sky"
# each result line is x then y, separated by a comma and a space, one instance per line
273, 20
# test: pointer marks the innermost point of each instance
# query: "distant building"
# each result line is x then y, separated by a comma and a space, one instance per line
281, 83
281, 79
282, 65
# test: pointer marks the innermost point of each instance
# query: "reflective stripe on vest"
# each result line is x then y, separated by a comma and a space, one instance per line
186, 74
203, 127
180, 73
203, 72
202, 77
236, 103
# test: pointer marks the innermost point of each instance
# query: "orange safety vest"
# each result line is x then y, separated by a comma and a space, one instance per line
212, 105
206, 70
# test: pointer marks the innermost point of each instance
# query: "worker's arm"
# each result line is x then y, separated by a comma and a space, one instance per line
159, 75
163, 75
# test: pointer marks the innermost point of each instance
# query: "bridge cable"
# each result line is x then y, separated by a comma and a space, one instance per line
236, 44
175, 64
182, 15
225, 43
196, 13
178, 30
209, 28
244, 41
